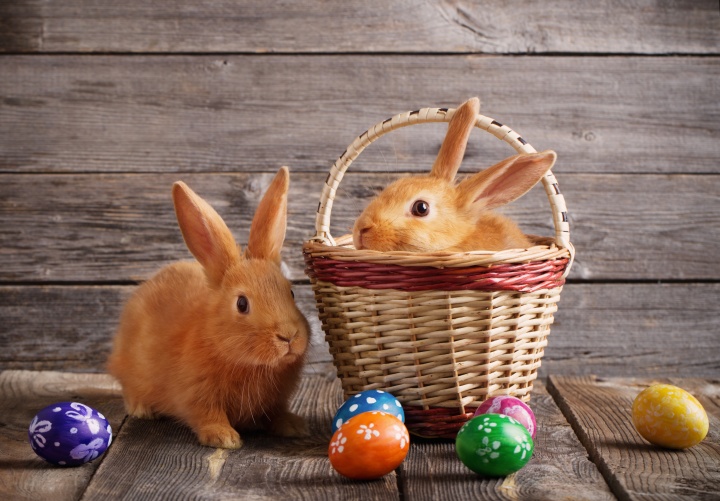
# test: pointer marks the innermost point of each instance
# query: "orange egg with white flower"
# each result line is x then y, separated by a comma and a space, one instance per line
369, 445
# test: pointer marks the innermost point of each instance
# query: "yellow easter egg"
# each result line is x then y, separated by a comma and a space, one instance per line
669, 416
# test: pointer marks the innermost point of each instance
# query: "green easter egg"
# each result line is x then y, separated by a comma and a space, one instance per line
494, 445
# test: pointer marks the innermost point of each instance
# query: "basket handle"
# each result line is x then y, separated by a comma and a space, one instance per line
428, 115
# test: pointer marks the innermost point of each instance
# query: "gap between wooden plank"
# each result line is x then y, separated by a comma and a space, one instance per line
402, 26
593, 455
301, 282
102, 458
22, 394
559, 465
317, 172
121, 229
266, 467
599, 411
600, 329
197, 126
657, 55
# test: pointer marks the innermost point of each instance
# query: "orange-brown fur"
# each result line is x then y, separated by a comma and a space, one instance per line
183, 349
460, 217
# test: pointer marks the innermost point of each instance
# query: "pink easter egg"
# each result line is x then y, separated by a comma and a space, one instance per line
510, 406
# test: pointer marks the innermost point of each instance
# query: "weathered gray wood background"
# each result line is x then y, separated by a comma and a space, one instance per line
104, 104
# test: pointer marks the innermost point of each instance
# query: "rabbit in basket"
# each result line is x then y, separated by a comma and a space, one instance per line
428, 213
218, 343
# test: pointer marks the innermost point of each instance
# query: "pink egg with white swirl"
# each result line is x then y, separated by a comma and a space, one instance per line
510, 406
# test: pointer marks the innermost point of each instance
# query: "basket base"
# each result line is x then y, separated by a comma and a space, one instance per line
436, 422
440, 422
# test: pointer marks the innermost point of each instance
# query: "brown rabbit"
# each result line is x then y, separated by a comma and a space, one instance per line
219, 343
428, 213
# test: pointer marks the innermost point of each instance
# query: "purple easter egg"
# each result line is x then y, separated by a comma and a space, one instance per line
69, 434
510, 406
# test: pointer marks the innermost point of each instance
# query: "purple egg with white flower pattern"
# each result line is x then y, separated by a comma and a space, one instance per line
69, 434
365, 401
510, 406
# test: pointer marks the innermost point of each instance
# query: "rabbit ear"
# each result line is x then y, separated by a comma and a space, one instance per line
452, 150
267, 231
205, 233
506, 181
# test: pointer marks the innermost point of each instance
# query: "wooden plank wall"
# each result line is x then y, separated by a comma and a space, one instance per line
104, 104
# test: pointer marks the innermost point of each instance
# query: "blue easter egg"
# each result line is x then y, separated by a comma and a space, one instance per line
365, 401
69, 434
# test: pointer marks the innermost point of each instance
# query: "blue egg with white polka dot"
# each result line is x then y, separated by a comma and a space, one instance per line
365, 401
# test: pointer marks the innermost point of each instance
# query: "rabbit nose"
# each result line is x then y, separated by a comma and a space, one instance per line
287, 337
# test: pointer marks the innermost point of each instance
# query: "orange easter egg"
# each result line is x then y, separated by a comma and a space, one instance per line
369, 445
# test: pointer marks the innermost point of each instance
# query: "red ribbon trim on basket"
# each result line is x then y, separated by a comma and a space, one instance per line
522, 277
436, 422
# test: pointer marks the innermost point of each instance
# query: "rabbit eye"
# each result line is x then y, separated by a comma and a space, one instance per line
420, 208
292, 293
243, 305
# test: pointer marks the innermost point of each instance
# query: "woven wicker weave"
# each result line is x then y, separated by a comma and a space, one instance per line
440, 331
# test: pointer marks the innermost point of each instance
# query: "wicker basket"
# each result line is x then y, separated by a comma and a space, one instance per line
440, 331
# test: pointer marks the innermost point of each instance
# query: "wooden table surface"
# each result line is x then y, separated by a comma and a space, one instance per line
104, 104
586, 448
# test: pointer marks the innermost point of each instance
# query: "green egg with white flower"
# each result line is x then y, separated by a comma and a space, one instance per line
494, 445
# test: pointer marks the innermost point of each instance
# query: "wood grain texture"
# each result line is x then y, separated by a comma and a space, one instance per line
559, 468
630, 330
104, 104
23, 475
162, 460
59, 328
648, 27
606, 329
122, 227
254, 113
600, 412
71, 328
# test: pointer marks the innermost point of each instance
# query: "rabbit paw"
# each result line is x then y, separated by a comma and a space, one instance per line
289, 425
218, 435
139, 410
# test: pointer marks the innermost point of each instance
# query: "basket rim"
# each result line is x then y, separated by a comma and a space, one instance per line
433, 115
343, 250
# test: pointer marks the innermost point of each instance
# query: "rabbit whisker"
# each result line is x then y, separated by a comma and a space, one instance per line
249, 404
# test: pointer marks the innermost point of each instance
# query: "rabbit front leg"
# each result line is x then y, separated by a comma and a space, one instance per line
213, 429
139, 410
287, 424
